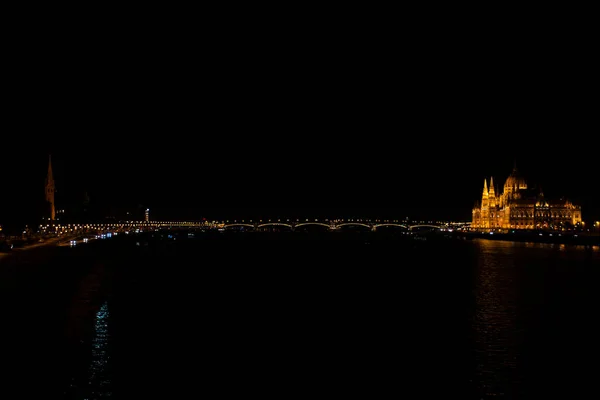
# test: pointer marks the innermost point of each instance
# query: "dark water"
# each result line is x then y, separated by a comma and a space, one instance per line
307, 315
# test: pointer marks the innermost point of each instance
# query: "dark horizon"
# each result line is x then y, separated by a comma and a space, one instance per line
439, 185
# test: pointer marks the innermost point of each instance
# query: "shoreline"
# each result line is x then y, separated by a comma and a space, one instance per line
537, 237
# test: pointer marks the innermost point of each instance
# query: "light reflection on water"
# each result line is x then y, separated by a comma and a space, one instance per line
99, 380
495, 327
532, 302
95, 380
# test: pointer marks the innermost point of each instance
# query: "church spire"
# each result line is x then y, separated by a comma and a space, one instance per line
50, 189
492, 194
485, 188
50, 178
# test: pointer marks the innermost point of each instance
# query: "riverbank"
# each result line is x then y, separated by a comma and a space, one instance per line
584, 239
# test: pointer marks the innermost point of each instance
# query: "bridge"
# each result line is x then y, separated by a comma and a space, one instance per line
254, 225
329, 225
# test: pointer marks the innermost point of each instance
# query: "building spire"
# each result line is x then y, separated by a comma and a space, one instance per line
50, 178
492, 191
50, 189
485, 188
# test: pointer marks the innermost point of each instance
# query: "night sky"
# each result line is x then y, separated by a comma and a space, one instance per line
347, 174
307, 133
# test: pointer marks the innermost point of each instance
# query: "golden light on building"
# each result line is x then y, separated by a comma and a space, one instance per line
518, 207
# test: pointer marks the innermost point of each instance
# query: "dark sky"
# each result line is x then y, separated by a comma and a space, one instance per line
387, 174
257, 129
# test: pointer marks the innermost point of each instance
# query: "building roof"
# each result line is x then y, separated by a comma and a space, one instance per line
515, 179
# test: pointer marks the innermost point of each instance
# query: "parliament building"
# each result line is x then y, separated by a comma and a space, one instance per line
519, 207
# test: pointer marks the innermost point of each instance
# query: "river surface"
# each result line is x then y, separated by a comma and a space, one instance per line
295, 315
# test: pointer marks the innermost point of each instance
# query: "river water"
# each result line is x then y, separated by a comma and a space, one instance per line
294, 315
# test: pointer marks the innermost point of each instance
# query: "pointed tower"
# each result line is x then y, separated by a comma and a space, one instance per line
50, 189
485, 206
486, 193
492, 194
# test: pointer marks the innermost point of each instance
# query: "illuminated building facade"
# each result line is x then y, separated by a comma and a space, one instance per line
50, 189
519, 207
147, 215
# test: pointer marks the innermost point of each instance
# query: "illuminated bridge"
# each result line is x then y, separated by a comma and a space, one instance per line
330, 225
255, 225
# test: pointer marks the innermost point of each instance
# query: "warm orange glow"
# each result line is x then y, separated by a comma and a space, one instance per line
517, 208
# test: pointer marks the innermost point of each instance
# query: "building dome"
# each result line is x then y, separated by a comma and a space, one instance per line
515, 180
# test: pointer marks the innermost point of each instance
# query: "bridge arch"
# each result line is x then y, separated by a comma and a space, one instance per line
274, 224
425, 226
238, 225
353, 224
313, 223
391, 224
